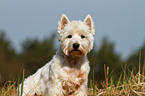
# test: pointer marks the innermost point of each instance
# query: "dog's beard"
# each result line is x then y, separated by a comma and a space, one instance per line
73, 52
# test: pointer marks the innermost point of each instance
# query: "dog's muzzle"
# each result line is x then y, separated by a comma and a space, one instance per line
76, 50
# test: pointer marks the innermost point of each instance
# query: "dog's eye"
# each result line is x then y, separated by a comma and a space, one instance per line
69, 36
82, 36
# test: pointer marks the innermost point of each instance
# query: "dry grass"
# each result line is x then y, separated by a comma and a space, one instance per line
9, 89
127, 85
134, 85
131, 85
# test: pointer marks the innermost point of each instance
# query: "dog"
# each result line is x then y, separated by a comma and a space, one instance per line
67, 73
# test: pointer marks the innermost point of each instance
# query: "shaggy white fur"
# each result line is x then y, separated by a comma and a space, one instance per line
67, 73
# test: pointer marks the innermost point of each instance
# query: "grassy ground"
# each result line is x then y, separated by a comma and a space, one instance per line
129, 84
9, 89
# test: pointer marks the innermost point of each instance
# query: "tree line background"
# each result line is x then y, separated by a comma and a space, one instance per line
35, 53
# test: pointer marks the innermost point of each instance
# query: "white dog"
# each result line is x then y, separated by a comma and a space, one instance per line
67, 73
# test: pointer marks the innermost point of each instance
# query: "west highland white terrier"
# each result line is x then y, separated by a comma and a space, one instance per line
67, 73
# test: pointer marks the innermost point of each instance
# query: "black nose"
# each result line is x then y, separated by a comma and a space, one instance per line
76, 46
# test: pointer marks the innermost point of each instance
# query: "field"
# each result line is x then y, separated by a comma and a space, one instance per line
129, 84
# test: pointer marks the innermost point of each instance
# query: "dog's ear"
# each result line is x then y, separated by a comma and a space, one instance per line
63, 21
89, 21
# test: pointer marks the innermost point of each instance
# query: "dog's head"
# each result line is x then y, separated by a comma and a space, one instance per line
76, 37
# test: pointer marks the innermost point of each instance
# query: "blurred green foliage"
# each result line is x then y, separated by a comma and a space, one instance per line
35, 53
105, 55
9, 62
137, 57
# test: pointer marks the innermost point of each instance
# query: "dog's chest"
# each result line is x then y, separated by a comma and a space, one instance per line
74, 79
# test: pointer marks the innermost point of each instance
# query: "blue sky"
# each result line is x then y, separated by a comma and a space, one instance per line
123, 21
